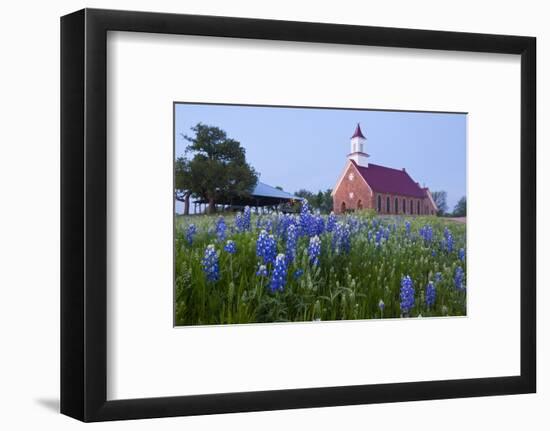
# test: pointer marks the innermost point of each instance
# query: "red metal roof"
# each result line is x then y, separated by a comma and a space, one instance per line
358, 133
388, 180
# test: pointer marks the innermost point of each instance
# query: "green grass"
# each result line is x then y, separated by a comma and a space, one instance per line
342, 287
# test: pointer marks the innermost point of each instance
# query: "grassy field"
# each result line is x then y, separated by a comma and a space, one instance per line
248, 268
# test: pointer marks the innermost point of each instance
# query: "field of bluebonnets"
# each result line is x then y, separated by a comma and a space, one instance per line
275, 267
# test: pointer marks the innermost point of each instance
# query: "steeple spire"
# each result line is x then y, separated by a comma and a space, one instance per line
357, 143
358, 133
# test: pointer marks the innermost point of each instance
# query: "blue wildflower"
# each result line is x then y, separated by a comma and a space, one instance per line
430, 294
291, 238
318, 224
406, 295
450, 242
220, 229
242, 221
246, 218
438, 277
341, 241
230, 247
278, 278
331, 222
266, 247
314, 250
378, 238
298, 273
307, 222
191, 231
426, 232
210, 264
461, 254
381, 305
262, 271
239, 222
407, 227
459, 278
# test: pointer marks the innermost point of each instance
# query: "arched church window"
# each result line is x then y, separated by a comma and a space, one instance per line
404, 207
388, 205
396, 206
343, 207
379, 203
418, 207
359, 204
412, 208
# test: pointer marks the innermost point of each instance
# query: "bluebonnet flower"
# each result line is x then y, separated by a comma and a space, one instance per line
386, 234
268, 225
381, 305
278, 278
448, 243
259, 222
459, 278
426, 232
430, 294
242, 221
318, 224
284, 223
378, 238
191, 231
266, 247
353, 223
262, 271
433, 253
461, 254
291, 238
307, 222
406, 295
239, 222
298, 273
220, 229
210, 264
331, 222
230, 247
314, 250
369, 235
246, 218
438, 277
341, 241
407, 227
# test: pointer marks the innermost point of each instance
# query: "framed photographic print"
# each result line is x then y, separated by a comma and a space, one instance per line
262, 215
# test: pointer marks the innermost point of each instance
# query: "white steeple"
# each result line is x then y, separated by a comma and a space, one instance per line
357, 153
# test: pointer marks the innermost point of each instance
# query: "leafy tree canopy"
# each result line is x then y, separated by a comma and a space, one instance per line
218, 170
460, 208
320, 200
440, 199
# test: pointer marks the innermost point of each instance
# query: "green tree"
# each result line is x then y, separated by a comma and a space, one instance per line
183, 182
321, 201
440, 199
218, 170
460, 208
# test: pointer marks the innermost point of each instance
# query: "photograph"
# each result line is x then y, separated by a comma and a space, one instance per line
293, 214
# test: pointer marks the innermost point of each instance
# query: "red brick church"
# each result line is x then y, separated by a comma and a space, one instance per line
364, 185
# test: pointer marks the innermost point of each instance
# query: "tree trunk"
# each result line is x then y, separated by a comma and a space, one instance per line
211, 206
186, 203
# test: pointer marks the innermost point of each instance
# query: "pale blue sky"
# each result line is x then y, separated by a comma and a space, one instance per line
306, 147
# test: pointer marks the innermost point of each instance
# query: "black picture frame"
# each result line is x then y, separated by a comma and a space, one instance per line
84, 214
